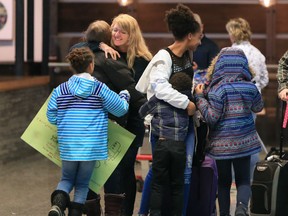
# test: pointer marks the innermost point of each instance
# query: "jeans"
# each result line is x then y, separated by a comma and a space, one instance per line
242, 179
76, 174
190, 143
168, 169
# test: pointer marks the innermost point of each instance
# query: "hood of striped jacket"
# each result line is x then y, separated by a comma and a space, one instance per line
82, 86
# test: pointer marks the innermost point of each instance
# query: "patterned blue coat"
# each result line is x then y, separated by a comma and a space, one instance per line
227, 106
79, 108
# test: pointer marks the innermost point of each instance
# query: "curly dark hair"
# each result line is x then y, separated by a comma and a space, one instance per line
80, 58
181, 81
181, 21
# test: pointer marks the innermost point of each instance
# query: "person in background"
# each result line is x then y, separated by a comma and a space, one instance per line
79, 108
126, 37
170, 125
282, 77
240, 35
232, 132
155, 81
206, 51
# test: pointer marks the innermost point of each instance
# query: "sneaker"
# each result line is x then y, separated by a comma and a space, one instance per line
241, 210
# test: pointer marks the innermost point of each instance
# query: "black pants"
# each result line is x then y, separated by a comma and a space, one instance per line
123, 178
168, 166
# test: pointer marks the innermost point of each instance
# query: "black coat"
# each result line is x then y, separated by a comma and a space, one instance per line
117, 76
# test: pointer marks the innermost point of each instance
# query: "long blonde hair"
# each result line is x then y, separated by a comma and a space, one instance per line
136, 43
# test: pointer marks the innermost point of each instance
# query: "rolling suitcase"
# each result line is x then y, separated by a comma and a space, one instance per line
270, 183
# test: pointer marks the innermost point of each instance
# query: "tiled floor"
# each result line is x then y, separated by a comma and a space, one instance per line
26, 186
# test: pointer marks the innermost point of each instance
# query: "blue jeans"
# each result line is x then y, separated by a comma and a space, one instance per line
241, 168
76, 174
190, 142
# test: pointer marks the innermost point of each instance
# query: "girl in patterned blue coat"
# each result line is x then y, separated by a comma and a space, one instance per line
79, 108
227, 105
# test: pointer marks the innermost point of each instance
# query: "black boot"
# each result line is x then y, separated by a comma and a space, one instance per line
155, 212
59, 201
75, 209
114, 204
92, 207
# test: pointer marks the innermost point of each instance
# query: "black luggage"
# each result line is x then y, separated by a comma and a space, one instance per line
270, 183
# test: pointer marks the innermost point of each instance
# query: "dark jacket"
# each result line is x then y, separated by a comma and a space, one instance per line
205, 52
117, 76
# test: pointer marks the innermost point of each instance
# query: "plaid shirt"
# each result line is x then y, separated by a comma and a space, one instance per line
282, 73
168, 122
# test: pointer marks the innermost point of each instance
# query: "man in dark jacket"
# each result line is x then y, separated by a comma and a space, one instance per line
117, 76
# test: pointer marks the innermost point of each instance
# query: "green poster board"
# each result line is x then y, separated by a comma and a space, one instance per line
42, 136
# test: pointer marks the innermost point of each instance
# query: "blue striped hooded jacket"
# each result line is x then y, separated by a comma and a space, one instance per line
79, 108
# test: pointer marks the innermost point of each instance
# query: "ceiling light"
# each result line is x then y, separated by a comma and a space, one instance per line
124, 2
267, 3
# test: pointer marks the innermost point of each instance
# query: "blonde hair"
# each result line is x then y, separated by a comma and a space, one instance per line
197, 18
98, 30
239, 29
211, 68
136, 43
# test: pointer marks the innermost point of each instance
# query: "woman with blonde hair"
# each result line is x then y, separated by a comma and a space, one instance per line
127, 39
240, 35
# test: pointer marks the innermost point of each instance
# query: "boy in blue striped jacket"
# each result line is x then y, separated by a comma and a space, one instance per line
79, 108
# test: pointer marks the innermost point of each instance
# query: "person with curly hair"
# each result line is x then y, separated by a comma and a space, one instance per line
155, 81
79, 108
170, 124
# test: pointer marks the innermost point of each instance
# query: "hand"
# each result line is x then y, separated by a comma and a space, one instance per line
199, 89
124, 94
195, 66
283, 95
109, 50
191, 108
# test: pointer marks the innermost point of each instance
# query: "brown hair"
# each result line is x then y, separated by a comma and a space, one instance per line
98, 30
181, 21
181, 81
80, 58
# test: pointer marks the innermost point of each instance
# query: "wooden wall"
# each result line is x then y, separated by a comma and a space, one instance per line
73, 18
